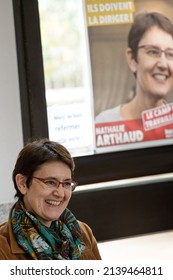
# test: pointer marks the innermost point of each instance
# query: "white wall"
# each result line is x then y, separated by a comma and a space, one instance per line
11, 139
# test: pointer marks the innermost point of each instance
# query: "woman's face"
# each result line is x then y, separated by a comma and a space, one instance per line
154, 76
48, 203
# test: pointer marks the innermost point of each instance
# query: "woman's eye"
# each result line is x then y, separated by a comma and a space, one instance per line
67, 184
169, 55
153, 51
50, 183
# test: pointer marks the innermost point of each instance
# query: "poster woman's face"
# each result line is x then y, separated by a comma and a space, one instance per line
154, 71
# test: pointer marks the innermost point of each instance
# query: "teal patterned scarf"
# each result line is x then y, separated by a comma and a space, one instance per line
62, 241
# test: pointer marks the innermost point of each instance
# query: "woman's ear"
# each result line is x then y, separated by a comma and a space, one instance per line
131, 60
21, 183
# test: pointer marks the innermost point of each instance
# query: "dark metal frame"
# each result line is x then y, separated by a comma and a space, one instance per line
30, 66
129, 211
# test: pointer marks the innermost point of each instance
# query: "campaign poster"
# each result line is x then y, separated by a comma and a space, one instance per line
108, 24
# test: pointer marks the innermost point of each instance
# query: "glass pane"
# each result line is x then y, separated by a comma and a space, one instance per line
67, 74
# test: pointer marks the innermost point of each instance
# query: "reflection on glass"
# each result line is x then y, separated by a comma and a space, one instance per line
67, 74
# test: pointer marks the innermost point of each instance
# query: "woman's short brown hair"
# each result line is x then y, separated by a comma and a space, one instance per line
37, 152
142, 23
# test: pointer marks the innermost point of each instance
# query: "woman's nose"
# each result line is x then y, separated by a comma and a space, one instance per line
59, 191
162, 61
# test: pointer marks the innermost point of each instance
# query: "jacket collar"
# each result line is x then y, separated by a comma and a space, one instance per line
15, 248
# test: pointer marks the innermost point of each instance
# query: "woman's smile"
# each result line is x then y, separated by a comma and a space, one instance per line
53, 202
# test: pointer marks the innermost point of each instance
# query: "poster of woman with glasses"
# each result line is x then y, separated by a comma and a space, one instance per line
143, 112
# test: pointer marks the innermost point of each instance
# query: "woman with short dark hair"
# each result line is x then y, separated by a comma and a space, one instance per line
40, 225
